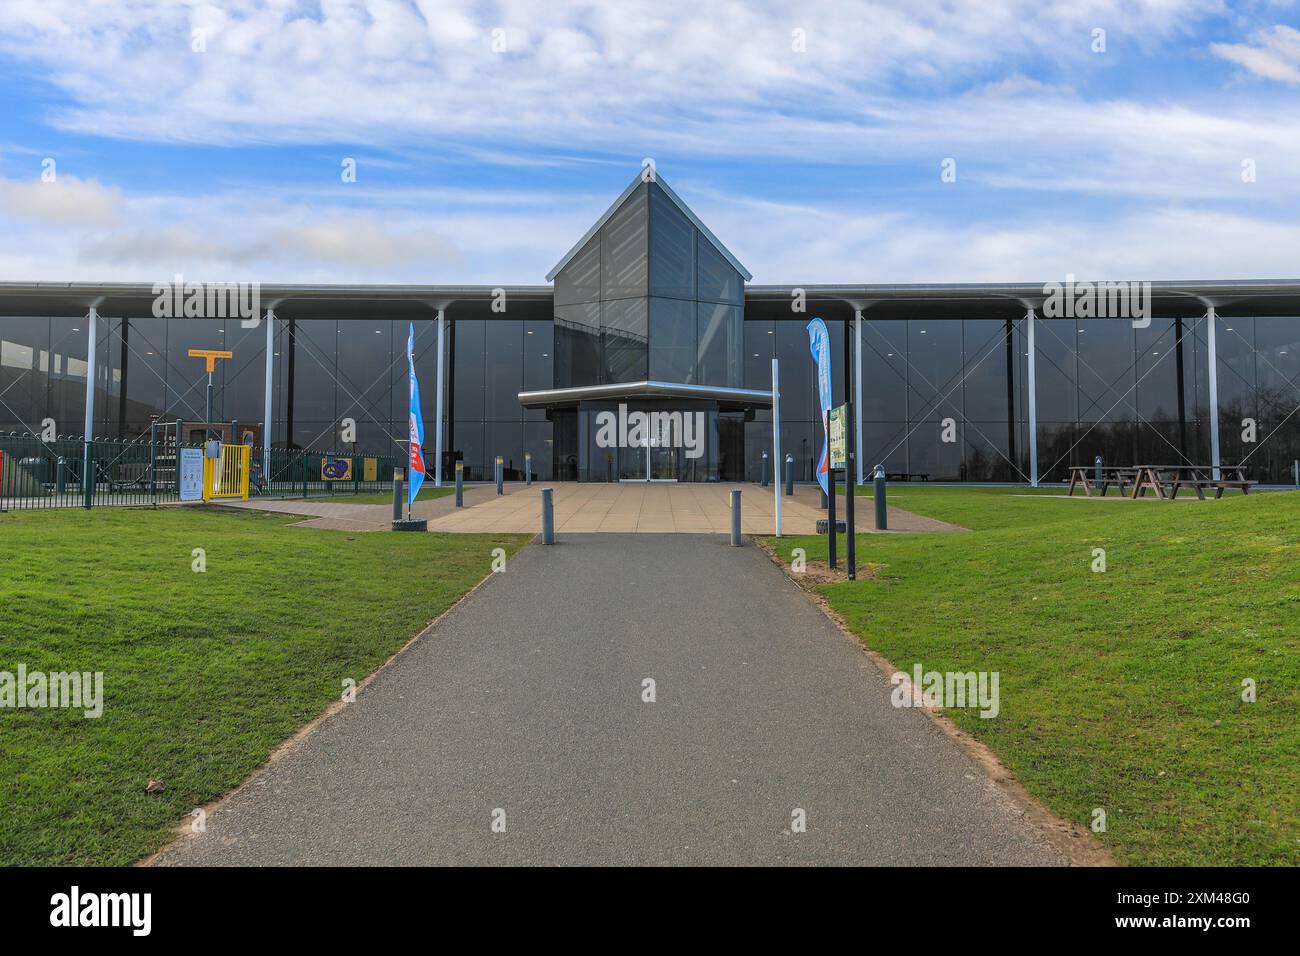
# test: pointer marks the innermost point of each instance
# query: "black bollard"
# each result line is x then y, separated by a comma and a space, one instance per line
460, 484
789, 475
882, 522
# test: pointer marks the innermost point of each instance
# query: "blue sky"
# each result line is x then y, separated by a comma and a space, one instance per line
208, 138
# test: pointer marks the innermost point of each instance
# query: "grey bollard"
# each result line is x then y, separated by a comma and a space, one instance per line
882, 522
460, 484
398, 497
499, 470
735, 517
61, 480
528, 468
764, 469
1096, 470
789, 475
825, 500
548, 517
1295, 466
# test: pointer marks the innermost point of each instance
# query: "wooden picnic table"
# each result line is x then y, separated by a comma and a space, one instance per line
1086, 475
1197, 477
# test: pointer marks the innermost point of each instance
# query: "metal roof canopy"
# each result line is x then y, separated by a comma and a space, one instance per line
681, 206
768, 302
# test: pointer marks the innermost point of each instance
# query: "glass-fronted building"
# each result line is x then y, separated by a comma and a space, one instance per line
650, 312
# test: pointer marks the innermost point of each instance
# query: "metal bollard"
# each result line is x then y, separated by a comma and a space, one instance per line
528, 468
735, 517
499, 471
825, 500
460, 484
764, 469
882, 522
548, 517
1295, 466
789, 475
398, 498
1096, 470
61, 481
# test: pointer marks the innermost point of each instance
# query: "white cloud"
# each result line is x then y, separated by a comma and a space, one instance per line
64, 200
1273, 53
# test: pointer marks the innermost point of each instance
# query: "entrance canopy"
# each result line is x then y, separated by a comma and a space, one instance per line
746, 397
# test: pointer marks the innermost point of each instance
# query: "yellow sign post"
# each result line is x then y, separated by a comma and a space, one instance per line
211, 355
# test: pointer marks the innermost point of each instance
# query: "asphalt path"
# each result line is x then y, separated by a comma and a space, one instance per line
525, 708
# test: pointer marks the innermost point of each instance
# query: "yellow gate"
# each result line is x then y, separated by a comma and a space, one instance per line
227, 476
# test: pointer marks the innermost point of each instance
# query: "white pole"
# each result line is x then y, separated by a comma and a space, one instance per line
857, 388
1033, 402
1212, 348
776, 444
437, 441
268, 403
92, 347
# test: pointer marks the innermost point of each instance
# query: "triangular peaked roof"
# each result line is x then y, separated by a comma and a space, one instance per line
677, 201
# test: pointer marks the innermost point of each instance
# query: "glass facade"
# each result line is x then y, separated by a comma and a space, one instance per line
648, 296
945, 399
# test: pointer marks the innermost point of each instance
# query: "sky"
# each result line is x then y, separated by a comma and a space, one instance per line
846, 142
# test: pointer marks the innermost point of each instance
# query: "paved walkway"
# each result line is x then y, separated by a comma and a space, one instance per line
527, 699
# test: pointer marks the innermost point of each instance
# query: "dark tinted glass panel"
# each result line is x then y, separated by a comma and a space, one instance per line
1277, 366
797, 372
507, 440
1156, 372
24, 371
365, 390
934, 356
624, 242
1106, 377
577, 345
539, 362
715, 277
672, 248
470, 344
884, 371
760, 348
579, 281
1235, 345
719, 336
985, 375
539, 441
1056, 367
623, 332
187, 378
146, 372
468, 440
504, 348
672, 340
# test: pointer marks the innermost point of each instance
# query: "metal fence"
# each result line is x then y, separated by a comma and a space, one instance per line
35, 473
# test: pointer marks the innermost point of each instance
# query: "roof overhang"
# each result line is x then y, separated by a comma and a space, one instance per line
750, 397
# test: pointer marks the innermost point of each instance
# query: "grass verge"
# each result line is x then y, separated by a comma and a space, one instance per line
1120, 690
204, 673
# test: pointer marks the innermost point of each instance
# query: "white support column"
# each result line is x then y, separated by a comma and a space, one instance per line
778, 465
1033, 402
437, 439
92, 347
857, 388
1212, 349
268, 404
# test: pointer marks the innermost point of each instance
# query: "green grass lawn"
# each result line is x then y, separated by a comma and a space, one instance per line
204, 674
386, 497
1120, 690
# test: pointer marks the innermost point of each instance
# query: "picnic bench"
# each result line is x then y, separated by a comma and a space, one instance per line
1196, 477
1086, 476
